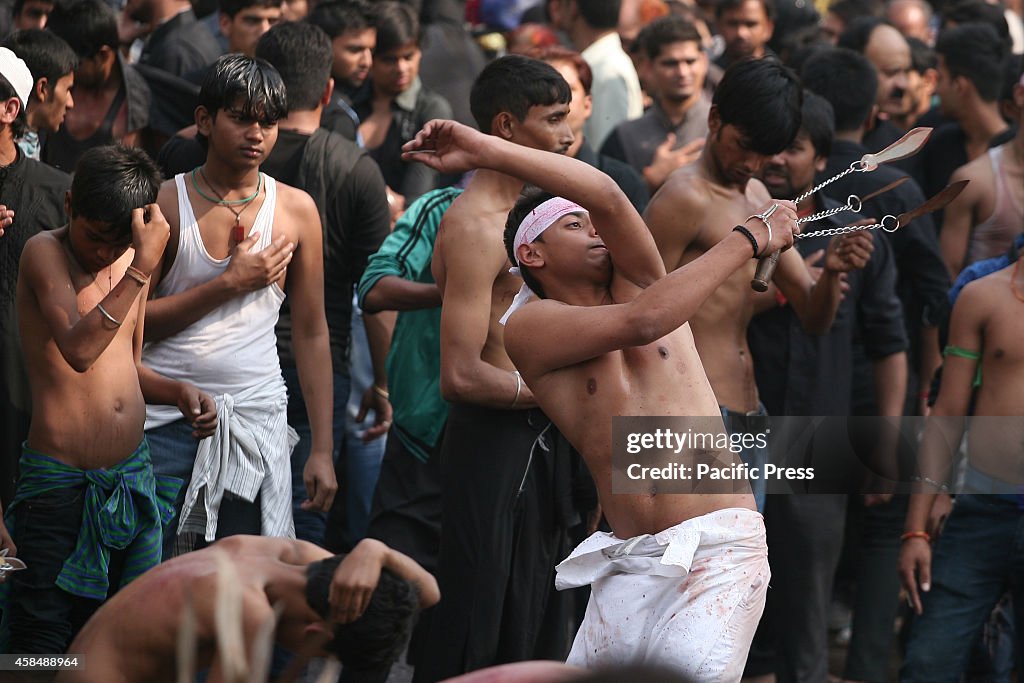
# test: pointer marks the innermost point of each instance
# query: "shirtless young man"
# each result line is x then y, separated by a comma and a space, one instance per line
358, 607
954, 583
610, 338
234, 233
755, 114
982, 222
87, 486
501, 537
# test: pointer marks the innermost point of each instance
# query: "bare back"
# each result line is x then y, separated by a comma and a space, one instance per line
92, 419
133, 637
688, 216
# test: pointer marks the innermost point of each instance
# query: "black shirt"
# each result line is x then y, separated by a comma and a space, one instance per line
35, 192
409, 112
180, 45
802, 374
63, 151
922, 278
349, 193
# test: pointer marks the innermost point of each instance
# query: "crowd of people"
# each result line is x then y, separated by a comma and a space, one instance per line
382, 275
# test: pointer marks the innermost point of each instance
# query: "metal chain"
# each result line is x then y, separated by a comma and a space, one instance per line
884, 224
856, 167
852, 204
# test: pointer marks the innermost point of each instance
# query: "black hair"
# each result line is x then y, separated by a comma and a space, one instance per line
975, 52
530, 199
796, 45
847, 80
723, 6
85, 25
972, 11
376, 639
338, 17
513, 84
44, 53
600, 14
761, 98
20, 124
858, 33
256, 83
922, 57
666, 31
818, 122
849, 11
1012, 75
302, 55
397, 25
233, 7
20, 5
110, 182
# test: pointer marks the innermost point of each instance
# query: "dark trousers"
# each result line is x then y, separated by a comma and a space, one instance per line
174, 453
406, 511
42, 618
502, 538
805, 538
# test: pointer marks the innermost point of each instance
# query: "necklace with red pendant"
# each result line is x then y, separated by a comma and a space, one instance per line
237, 230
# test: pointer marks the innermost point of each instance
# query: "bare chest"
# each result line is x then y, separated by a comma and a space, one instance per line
89, 113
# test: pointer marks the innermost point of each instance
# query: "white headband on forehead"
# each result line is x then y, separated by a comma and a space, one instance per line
535, 223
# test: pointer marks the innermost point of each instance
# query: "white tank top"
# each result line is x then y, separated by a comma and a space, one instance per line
233, 347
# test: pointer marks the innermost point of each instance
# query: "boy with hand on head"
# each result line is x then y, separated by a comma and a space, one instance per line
88, 514
357, 607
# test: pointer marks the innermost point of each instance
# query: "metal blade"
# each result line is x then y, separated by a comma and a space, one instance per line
937, 202
906, 146
891, 186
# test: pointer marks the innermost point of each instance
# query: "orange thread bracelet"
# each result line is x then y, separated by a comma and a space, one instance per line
916, 534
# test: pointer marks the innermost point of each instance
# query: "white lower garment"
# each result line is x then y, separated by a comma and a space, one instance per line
688, 598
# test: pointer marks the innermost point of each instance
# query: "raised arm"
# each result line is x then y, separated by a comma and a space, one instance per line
451, 147
358, 575
81, 339
547, 335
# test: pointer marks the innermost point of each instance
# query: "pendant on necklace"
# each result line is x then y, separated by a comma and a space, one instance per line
238, 232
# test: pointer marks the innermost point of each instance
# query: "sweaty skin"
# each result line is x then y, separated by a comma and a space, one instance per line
985, 320
471, 267
133, 637
695, 210
611, 338
86, 375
